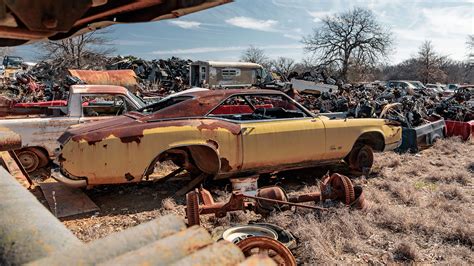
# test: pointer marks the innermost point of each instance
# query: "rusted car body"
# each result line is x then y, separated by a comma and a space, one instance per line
221, 133
39, 133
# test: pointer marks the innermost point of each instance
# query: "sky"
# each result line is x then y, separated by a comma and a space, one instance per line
277, 27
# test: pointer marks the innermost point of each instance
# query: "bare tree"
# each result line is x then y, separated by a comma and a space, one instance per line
470, 49
284, 65
6, 51
79, 51
430, 64
353, 36
254, 55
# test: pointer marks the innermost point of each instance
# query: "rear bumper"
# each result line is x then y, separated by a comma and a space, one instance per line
78, 183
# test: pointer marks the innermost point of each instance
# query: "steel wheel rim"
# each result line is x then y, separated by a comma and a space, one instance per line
29, 160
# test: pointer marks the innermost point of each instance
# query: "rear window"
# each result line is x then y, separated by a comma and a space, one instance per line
164, 103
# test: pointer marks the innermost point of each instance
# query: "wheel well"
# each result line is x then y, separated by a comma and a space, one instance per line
44, 160
194, 158
373, 139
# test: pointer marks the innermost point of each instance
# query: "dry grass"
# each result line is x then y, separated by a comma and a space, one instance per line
421, 210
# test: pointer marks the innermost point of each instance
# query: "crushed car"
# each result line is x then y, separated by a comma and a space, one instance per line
218, 134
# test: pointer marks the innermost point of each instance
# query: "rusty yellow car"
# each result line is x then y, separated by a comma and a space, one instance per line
219, 134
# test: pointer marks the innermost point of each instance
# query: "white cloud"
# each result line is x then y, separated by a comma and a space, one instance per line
318, 15
199, 50
452, 20
292, 36
254, 24
186, 24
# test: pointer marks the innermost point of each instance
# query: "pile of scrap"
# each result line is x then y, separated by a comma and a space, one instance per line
163, 76
421, 111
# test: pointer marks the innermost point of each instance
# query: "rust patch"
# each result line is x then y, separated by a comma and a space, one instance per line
216, 124
225, 167
129, 177
131, 139
93, 142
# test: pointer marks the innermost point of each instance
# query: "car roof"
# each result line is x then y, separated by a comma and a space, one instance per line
202, 102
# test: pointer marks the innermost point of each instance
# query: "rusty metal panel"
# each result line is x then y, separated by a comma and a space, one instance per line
125, 77
66, 201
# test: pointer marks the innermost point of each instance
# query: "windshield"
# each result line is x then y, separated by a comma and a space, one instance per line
138, 100
164, 103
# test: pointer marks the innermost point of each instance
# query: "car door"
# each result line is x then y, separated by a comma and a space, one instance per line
275, 131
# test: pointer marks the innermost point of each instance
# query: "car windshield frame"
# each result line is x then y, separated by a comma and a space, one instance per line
244, 95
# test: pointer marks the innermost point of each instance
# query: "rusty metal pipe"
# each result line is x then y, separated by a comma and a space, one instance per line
117, 243
315, 197
166, 250
28, 231
287, 203
221, 253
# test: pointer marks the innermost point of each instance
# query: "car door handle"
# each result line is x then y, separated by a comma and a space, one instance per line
246, 130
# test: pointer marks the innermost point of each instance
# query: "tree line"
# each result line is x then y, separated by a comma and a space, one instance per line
352, 46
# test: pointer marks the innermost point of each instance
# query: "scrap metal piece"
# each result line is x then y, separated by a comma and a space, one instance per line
267, 246
337, 187
192, 184
271, 193
238, 233
192, 208
66, 201
359, 202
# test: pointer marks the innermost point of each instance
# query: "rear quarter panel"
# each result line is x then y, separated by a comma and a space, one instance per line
117, 160
342, 134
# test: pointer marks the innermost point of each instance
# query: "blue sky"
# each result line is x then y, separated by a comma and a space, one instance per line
277, 26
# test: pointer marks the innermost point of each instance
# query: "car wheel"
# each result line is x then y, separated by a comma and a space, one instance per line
361, 158
29, 160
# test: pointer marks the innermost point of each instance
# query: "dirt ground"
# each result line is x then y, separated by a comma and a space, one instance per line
421, 210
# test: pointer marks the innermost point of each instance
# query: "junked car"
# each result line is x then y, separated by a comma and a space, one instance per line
41, 125
221, 134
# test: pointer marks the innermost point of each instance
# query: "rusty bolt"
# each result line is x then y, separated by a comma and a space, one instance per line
50, 22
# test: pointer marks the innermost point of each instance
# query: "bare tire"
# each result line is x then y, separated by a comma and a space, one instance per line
29, 159
43, 158
361, 158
